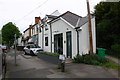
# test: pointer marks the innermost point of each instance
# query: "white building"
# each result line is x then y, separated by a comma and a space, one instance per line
26, 36
67, 34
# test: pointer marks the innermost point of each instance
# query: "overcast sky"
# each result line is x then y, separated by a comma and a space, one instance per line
22, 12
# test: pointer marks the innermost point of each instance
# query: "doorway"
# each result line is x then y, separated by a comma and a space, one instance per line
58, 43
69, 44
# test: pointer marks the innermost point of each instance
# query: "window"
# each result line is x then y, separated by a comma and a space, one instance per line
46, 41
37, 29
46, 27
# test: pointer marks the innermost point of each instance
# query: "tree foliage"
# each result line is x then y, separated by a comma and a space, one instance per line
108, 24
8, 32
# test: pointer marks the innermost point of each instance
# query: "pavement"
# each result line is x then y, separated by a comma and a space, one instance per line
113, 59
34, 67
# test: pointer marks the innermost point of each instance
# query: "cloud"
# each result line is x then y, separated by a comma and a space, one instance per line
16, 10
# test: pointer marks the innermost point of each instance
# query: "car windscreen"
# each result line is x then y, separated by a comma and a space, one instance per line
34, 46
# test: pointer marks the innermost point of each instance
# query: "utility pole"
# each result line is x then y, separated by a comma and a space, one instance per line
90, 29
15, 49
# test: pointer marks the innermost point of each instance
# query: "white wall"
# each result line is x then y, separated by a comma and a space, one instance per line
19, 41
61, 27
84, 46
26, 33
47, 34
40, 39
93, 34
83, 40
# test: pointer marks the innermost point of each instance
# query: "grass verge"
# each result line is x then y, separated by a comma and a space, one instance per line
111, 65
97, 60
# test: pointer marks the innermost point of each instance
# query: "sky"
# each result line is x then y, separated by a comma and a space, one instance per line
23, 12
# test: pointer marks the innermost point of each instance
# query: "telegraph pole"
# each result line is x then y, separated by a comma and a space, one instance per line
90, 29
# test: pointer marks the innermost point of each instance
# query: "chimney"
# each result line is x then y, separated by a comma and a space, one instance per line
37, 19
30, 28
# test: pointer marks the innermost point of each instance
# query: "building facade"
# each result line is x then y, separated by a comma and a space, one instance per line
67, 34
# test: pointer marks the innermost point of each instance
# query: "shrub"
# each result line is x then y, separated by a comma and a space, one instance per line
90, 59
78, 59
115, 48
49, 53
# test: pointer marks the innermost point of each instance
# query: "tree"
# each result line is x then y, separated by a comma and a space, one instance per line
108, 24
8, 32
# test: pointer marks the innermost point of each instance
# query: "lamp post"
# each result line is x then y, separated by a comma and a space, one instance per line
15, 48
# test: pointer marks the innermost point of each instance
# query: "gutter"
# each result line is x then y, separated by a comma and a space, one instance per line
77, 36
77, 42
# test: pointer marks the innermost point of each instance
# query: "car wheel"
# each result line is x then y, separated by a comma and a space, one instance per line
32, 53
25, 53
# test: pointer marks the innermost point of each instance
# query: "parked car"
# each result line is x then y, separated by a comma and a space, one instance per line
32, 49
4, 48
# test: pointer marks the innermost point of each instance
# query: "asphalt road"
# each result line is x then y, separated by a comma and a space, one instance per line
34, 67
0, 65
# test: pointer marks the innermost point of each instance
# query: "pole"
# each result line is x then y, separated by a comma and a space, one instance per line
15, 49
89, 27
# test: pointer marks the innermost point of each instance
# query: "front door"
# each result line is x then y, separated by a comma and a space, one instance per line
58, 43
69, 44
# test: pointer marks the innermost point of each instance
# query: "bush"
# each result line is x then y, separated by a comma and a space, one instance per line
114, 51
90, 59
78, 59
49, 53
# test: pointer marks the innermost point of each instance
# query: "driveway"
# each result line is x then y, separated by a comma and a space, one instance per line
34, 67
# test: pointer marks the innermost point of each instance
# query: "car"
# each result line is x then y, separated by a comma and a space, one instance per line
32, 49
4, 48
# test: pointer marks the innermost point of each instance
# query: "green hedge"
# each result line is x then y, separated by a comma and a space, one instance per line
48, 53
114, 51
90, 59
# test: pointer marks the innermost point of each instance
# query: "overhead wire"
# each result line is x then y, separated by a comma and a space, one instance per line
32, 11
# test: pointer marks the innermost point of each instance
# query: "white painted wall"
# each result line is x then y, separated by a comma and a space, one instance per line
61, 27
93, 34
26, 33
47, 34
83, 40
19, 41
84, 46
40, 39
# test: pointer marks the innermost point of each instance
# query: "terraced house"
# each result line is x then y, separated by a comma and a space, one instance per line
66, 33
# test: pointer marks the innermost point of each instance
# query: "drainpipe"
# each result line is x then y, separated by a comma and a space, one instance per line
77, 42
43, 37
51, 36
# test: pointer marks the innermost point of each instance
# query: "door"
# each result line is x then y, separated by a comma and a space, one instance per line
69, 44
58, 43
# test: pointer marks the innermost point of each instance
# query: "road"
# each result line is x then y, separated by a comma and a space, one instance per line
0, 65
34, 67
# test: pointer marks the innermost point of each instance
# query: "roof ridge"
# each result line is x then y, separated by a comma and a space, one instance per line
74, 14
77, 22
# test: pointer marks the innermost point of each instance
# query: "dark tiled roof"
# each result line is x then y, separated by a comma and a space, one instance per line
71, 18
83, 20
74, 19
51, 16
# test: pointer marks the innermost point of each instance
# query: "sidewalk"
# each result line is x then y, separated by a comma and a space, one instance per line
33, 67
113, 59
